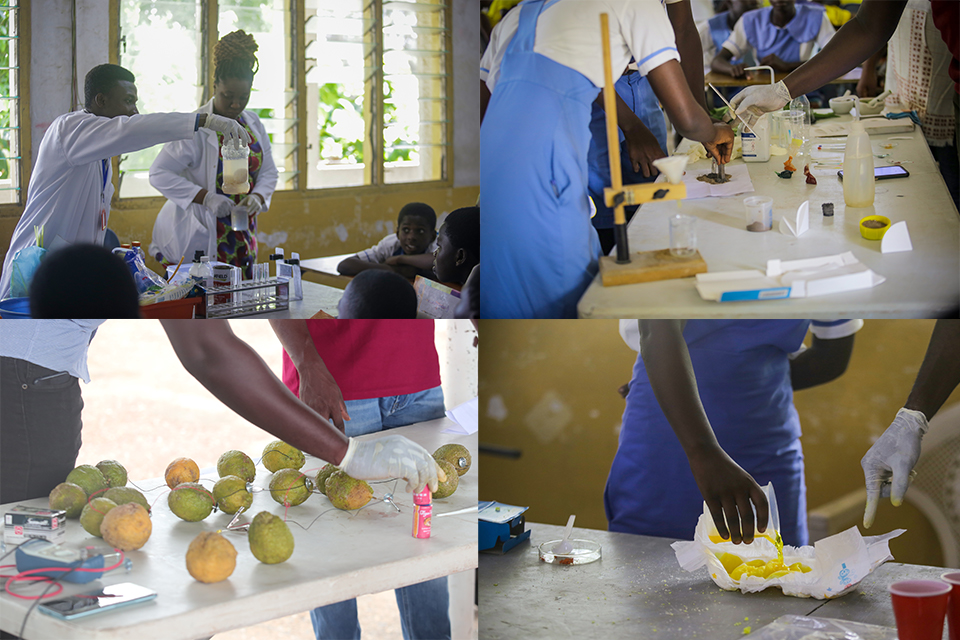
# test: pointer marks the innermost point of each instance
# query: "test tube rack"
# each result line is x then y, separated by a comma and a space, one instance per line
248, 298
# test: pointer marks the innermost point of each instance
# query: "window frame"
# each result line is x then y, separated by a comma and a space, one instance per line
24, 141
375, 171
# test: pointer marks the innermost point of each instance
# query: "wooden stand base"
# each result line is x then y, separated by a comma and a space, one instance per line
649, 266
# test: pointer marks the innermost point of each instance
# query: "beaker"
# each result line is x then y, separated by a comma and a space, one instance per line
759, 213
235, 175
788, 126
239, 218
683, 235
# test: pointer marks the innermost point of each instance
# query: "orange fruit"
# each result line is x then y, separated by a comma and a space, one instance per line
181, 470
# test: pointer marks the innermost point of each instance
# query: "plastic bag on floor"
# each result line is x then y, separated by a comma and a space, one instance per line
803, 628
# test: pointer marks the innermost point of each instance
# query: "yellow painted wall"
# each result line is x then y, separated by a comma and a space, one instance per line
549, 388
307, 225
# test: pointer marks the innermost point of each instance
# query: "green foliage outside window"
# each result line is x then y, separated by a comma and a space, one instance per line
334, 98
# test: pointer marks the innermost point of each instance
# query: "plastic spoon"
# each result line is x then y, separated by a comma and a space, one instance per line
565, 546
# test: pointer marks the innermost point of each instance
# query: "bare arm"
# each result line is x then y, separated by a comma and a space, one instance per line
726, 488
689, 47
318, 388
213, 355
353, 265
688, 118
722, 63
862, 36
940, 372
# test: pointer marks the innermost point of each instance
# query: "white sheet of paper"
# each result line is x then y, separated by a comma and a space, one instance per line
467, 417
739, 182
897, 238
798, 223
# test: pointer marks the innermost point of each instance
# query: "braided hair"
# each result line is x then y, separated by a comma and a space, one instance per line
234, 56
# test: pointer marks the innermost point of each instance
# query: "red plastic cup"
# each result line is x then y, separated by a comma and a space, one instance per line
953, 608
919, 607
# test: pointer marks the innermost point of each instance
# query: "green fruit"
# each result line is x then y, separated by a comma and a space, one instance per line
270, 539
125, 495
237, 463
231, 494
114, 472
322, 476
88, 478
347, 493
290, 487
93, 513
190, 501
280, 455
69, 497
455, 454
446, 488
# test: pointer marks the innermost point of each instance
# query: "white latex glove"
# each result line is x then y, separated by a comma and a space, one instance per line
251, 204
891, 460
753, 102
231, 129
391, 457
218, 204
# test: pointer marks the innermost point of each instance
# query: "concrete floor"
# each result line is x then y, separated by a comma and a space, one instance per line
143, 409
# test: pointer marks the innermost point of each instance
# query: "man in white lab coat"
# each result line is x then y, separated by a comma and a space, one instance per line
71, 187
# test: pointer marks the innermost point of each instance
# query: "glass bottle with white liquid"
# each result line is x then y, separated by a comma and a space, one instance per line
235, 164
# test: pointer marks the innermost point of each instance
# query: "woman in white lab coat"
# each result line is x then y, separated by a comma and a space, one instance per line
189, 172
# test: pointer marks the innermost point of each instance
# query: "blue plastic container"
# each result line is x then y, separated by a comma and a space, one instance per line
15, 308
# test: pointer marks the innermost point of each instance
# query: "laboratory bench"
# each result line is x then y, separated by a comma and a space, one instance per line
638, 590
921, 283
337, 555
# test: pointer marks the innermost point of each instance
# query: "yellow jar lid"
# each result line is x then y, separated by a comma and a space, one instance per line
873, 232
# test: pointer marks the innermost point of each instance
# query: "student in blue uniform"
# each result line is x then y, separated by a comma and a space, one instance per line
717, 30
710, 417
782, 36
535, 137
643, 139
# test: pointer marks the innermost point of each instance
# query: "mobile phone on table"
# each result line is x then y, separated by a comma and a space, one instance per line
885, 173
101, 600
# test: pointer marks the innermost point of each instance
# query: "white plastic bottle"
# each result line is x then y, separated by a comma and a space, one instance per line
756, 145
858, 181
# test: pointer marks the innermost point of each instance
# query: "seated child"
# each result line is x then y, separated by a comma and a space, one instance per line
715, 31
458, 246
83, 281
409, 252
782, 36
378, 294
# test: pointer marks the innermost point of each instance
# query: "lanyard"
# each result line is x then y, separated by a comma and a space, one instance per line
103, 188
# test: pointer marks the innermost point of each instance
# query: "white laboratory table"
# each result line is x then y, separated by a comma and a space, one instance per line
638, 590
341, 555
921, 283
316, 297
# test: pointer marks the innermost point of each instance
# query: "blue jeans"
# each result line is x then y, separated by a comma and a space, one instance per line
423, 606
378, 414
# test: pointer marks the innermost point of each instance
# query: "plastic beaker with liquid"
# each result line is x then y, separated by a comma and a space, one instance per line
235, 163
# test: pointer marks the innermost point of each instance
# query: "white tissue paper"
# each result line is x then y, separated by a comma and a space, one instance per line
797, 224
897, 238
838, 563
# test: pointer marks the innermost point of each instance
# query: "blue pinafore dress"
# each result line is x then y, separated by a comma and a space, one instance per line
636, 92
743, 376
540, 250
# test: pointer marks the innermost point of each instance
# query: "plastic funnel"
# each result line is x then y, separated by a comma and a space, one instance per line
672, 167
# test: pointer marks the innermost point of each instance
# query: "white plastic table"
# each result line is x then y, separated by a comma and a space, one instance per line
316, 297
341, 555
921, 283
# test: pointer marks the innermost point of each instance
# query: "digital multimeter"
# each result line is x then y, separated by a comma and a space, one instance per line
60, 559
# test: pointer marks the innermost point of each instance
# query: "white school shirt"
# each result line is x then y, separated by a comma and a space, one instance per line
638, 28
60, 345
68, 185
389, 246
738, 45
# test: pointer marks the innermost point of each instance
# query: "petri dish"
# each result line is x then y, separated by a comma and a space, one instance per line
583, 552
